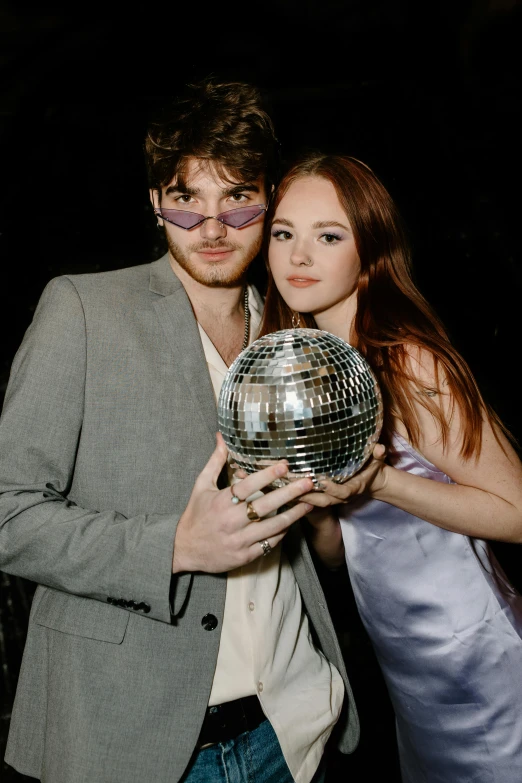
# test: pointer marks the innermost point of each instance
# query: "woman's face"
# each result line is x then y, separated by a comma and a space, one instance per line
312, 251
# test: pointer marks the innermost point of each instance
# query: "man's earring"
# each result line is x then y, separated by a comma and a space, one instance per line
296, 320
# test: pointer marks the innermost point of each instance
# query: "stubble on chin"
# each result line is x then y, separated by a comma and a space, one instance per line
217, 274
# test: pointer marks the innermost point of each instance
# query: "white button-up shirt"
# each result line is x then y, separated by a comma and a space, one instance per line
266, 647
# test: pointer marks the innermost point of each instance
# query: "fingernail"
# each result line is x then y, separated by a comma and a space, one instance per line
308, 506
281, 470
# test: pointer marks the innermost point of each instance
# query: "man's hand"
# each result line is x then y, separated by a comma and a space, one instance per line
215, 535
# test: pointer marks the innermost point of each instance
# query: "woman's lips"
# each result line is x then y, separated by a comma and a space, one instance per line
301, 282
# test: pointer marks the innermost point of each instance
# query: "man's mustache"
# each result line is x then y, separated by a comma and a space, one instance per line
214, 246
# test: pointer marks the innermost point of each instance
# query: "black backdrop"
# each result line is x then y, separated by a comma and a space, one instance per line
427, 94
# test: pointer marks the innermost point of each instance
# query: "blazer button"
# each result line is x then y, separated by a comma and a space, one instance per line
209, 622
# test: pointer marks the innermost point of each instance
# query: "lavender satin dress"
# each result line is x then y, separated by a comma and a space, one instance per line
447, 638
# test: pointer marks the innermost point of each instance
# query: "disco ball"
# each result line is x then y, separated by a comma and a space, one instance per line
302, 395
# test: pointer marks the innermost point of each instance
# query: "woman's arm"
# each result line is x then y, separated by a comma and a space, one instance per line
324, 534
485, 502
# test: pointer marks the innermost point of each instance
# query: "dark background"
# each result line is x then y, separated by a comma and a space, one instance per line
426, 93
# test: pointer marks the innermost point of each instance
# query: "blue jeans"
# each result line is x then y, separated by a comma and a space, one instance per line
252, 757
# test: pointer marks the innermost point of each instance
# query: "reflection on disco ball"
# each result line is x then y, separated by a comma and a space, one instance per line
302, 395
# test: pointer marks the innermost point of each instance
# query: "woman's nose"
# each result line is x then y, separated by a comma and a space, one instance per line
212, 228
299, 256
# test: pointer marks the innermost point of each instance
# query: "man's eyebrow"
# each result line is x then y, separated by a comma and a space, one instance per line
239, 188
181, 188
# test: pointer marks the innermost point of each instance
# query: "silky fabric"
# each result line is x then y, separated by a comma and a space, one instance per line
446, 627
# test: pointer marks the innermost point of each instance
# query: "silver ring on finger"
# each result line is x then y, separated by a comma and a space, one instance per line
252, 513
234, 497
265, 546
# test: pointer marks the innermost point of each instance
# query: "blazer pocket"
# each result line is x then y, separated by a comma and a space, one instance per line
73, 614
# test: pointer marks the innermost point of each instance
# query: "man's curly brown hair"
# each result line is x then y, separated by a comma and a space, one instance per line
225, 123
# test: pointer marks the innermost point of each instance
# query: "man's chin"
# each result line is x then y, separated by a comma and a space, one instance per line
216, 274
216, 278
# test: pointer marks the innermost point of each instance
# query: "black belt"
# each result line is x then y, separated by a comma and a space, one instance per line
226, 721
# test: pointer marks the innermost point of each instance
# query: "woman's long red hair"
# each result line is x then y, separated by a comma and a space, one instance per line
392, 315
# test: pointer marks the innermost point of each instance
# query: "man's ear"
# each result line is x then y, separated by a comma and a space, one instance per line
154, 195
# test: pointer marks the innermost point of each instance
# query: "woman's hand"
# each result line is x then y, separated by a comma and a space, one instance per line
369, 480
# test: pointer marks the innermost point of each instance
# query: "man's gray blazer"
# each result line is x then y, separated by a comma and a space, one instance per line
109, 418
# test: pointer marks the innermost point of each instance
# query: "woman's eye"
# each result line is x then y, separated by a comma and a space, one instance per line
281, 235
330, 239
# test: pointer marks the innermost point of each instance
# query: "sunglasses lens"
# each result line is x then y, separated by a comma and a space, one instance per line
181, 218
240, 217
236, 218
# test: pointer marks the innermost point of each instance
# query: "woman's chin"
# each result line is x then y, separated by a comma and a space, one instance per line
300, 302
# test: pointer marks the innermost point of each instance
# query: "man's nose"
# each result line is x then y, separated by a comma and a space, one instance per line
212, 228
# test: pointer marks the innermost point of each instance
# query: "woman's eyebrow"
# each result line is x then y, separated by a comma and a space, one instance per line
317, 224
329, 224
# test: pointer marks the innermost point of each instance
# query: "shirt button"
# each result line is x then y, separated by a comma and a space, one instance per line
260, 687
251, 606
209, 622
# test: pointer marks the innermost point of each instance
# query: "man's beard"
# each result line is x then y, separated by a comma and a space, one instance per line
219, 274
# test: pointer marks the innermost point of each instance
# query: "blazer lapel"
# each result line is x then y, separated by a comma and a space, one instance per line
181, 330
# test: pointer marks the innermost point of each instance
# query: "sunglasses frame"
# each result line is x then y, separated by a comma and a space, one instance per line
202, 218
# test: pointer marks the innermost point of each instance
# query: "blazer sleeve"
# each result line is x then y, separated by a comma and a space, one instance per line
45, 537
